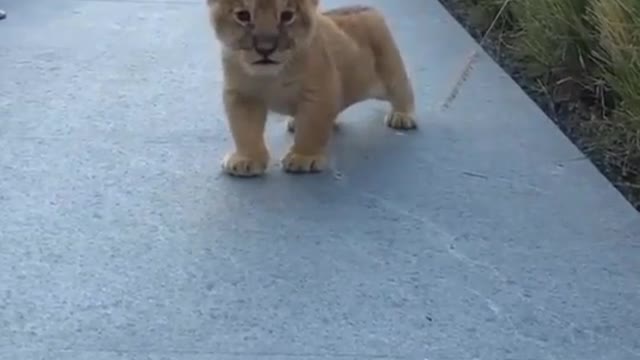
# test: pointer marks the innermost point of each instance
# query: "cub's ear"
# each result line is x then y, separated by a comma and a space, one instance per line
211, 2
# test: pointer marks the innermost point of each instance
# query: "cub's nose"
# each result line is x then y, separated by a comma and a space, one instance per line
265, 44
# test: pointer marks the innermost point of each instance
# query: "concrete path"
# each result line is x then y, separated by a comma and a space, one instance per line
485, 235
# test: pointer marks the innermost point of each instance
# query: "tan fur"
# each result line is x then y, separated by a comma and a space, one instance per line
326, 62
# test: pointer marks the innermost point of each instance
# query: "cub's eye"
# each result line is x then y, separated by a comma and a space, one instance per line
243, 16
286, 17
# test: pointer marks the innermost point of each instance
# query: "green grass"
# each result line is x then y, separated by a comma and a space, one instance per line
584, 56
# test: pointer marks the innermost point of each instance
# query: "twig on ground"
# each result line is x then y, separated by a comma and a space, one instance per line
470, 61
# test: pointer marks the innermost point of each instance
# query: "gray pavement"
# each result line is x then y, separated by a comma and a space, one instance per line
484, 235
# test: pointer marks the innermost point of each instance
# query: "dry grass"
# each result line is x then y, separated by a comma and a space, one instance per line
581, 60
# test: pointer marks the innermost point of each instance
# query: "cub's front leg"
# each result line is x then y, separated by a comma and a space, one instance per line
246, 117
314, 122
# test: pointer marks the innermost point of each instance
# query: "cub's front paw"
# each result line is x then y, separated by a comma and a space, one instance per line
243, 166
401, 121
297, 163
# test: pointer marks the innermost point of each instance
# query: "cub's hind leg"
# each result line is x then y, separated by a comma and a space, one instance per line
391, 70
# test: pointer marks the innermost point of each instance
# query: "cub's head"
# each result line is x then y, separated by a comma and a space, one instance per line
263, 34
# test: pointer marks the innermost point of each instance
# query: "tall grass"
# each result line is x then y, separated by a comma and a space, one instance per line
618, 22
552, 33
618, 52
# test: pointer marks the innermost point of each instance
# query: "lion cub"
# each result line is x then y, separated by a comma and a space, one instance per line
289, 57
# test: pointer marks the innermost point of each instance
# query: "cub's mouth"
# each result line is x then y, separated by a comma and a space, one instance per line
265, 61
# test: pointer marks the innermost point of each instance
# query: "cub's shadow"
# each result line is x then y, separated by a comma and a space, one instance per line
362, 149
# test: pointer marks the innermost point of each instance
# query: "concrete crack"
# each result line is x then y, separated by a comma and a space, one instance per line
570, 325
